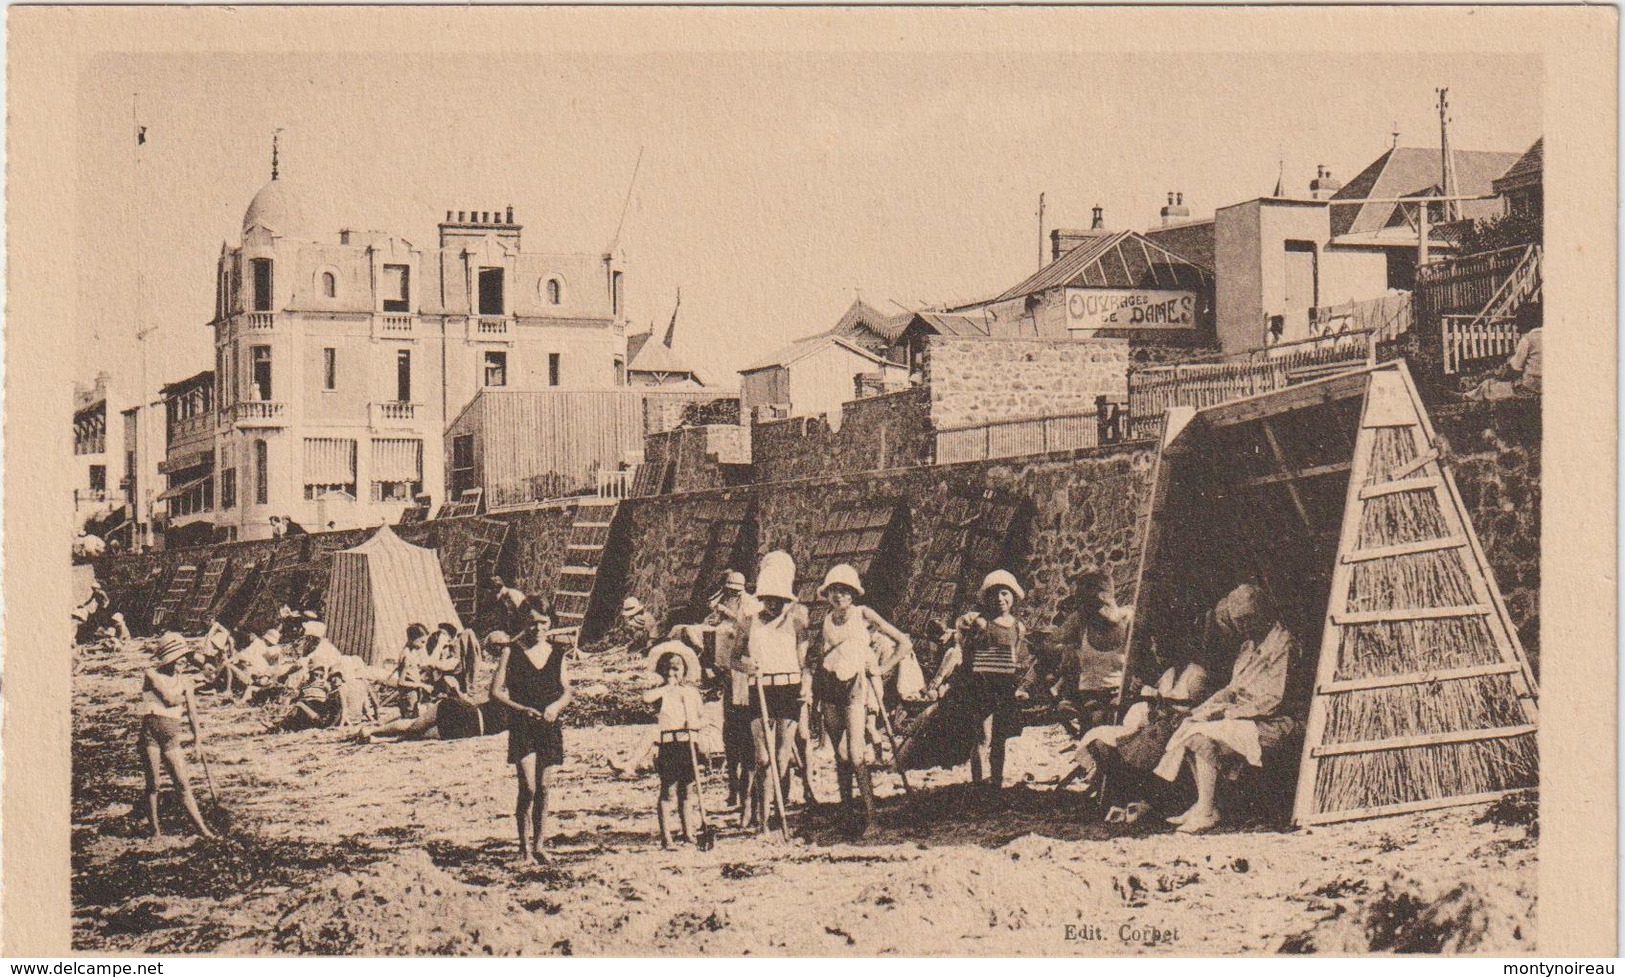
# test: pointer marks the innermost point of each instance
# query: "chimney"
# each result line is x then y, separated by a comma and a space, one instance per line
344, 236
1323, 186
1063, 240
1097, 219
460, 215
510, 214
1175, 211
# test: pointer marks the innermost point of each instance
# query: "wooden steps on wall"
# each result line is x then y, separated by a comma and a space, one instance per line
583, 554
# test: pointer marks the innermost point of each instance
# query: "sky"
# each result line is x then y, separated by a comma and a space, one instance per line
774, 187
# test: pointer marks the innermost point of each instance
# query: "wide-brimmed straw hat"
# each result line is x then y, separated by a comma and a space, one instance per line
843, 574
734, 582
315, 629
171, 647
691, 662
777, 577
1001, 578
631, 606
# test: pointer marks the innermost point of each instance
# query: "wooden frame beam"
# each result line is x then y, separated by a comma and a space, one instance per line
1290, 475
1258, 481
1425, 739
1405, 549
1396, 614
1398, 485
1416, 678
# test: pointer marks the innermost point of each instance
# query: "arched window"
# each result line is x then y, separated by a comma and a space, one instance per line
555, 291
330, 284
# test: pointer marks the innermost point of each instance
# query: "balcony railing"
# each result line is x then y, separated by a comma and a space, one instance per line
394, 325
488, 327
394, 413
187, 427
614, 484
259, 413
259, 321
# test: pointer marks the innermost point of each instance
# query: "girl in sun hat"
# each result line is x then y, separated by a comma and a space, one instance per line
679, 721
166, 702
844, 683
984, 668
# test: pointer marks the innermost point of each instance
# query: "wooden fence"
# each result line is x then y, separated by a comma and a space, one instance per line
1018, 436
1472, 339
1152, 390
1466, 284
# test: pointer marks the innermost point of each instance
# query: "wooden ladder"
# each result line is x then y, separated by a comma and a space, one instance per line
179, 586
203, 596
583, 553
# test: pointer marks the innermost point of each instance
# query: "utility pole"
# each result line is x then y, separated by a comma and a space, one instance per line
1447, 185
1040, 230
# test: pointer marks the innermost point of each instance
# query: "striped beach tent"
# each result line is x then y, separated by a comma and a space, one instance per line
376, 589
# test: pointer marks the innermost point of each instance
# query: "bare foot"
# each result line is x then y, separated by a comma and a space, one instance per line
1199, 821
542, 856
523, 857
665, 842
1181, 817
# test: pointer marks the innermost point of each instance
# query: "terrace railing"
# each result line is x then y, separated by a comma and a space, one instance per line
1152, 390
1018, 436
614, 484
1468, 283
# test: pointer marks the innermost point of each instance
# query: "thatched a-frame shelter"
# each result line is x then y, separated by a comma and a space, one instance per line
1333, 497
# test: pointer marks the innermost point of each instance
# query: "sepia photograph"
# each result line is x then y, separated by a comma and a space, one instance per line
929, 498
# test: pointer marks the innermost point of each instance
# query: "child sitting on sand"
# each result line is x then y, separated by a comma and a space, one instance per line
679, 722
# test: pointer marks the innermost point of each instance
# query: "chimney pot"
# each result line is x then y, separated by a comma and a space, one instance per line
1099, 221
460, 216
510, 213
448, 217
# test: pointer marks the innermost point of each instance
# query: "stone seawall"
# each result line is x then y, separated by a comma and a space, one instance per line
1082, 510
1079, 510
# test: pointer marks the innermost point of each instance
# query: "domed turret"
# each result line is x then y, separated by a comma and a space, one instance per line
279, 208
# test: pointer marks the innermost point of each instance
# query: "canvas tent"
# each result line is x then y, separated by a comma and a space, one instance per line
1332, 496
378, 588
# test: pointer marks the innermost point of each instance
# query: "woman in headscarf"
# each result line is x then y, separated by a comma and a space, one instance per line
1250, 719
530, 681
844, 685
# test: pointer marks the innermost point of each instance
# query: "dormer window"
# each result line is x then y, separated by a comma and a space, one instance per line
397, 288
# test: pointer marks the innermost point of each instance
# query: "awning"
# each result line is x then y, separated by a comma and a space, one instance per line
177, 491
397, 460
329, 461
191, 459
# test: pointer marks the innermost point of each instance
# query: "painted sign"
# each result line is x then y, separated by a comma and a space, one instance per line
1129, 308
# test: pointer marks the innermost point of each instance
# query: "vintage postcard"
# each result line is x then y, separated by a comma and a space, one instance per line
810, 482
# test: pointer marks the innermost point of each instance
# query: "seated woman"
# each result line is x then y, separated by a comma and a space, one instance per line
415, 671
1249, 721
251, 667
1138, 741
313, 707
